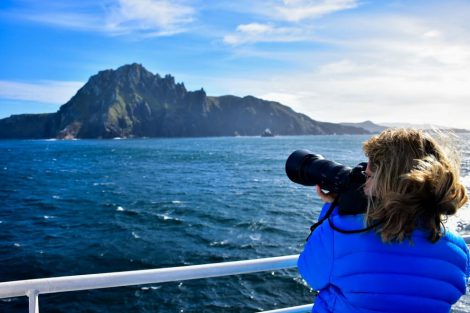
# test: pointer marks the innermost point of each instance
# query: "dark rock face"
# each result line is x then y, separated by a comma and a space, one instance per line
29, 126
132, 102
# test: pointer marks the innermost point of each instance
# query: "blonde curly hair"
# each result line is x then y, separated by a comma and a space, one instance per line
416, 183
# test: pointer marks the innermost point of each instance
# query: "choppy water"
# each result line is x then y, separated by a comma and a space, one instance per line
90, 206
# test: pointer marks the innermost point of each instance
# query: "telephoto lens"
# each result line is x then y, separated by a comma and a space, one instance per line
309, 169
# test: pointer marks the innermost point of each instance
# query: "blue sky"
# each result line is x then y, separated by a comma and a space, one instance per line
334, 60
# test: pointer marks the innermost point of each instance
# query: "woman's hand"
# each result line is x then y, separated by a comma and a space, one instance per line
326, 197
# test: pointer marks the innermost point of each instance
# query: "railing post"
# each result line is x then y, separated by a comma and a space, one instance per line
33, 296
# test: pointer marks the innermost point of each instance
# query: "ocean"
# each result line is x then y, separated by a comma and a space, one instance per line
92, 206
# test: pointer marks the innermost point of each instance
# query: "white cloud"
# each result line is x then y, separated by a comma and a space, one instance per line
432, 34
55, 92
255, 32
287, 10
292, 100
386, 68
248, 32
66, 20
255, 28
294, 15
144, 18
152, 18
298, 10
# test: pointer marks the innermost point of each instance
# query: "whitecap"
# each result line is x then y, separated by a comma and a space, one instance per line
176, 202
102, 184
135, 235
46, 217
255, 237
56, 197
166, 217
218, 243
17, 244
120, 209
151, 287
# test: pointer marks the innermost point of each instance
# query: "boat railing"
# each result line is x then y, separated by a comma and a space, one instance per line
32, 288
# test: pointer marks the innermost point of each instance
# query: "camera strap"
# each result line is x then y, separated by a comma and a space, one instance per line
353, 231
336, 228
326, 216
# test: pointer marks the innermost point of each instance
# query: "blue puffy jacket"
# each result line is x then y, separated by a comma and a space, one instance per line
359, 273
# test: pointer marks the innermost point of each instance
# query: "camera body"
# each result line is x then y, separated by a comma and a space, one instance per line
309, 169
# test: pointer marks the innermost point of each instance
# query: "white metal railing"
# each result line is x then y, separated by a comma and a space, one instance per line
32, 288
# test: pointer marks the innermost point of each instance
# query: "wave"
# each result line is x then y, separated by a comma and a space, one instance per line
218, 243
104, 184
166, 217
151, 288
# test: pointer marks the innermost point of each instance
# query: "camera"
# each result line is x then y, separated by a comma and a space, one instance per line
309, 169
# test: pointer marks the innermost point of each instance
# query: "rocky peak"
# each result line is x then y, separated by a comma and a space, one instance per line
133, 73
131, 78
170, 80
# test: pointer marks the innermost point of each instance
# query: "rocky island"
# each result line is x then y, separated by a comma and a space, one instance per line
133, 102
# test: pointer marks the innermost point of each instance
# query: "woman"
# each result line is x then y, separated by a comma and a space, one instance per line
408, 262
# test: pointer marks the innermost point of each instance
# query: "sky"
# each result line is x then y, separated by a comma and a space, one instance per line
334, 60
